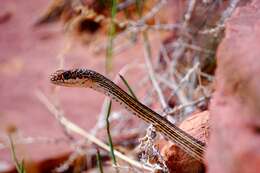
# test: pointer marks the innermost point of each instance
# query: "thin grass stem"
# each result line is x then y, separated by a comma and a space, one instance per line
111, 35
99, 161
128, 87
109, 134
19, 165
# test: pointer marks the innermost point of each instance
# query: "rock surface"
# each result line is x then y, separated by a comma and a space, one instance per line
235, 121
176, 159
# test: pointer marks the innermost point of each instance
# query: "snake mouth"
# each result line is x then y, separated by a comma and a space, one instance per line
58, 77
53, 78
62, 82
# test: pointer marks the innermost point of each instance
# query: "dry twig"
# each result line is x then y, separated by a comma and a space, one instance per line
148, 57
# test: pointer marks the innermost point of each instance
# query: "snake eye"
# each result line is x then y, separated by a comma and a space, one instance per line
66, 75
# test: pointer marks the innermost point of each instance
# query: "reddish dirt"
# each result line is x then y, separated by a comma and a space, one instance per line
234, 141
28, 56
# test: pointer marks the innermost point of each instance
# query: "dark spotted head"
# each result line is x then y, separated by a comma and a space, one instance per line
74, 78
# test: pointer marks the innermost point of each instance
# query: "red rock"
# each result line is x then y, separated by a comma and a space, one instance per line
176, 159
234, 145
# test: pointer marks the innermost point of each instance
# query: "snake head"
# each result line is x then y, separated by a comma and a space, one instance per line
72, 78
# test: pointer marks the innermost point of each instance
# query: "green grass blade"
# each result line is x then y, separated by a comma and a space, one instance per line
109, 134
99, 161
128, 87
19, 166
111, 35
139, 6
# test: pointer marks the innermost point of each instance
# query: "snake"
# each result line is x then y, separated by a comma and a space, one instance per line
90, 79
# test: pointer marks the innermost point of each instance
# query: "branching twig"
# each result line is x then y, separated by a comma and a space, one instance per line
193, 103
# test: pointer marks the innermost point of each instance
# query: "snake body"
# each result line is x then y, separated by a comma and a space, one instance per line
91, 79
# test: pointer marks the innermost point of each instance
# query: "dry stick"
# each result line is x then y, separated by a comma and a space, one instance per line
192, 79
221, 23
197, 48
193, 103
76, 129
187, 16
33, 140
232, 5
187, 76
125, 4
135, 28
207, 76
214, 30
148, 57
174, 86
66, 164
66, 48
152, 12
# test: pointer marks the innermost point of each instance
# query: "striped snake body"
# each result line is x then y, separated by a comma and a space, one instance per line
91, 79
